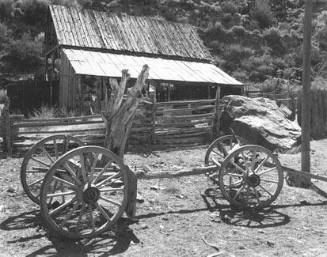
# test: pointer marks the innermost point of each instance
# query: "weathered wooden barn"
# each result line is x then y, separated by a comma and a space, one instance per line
84, 48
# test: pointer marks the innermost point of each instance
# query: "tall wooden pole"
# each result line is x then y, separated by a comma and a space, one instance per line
306, 83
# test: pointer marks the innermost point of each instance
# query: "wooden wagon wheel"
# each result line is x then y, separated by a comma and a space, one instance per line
38, 160
218, 151
84, 192
251, 176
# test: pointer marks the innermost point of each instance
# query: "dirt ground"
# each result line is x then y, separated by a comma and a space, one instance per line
175, 217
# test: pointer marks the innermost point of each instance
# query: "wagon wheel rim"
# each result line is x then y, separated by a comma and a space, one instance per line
251, 177
38, 160
92, 194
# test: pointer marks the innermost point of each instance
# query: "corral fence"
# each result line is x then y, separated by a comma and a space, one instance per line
318, 123
156, 125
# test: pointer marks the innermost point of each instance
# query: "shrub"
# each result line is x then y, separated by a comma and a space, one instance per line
237, 52
238, 31
273, 39
25, 53
227, 19
35, 12
322, 38
240, 75
228, 7
263, 14
5, 9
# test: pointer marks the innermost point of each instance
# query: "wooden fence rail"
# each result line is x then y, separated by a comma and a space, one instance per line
159, 125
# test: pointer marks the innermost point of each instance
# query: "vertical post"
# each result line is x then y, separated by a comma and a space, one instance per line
306, 83
216, 122
7, 126
153, 114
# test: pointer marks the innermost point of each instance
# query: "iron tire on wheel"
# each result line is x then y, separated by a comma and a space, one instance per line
68, 143
94, 193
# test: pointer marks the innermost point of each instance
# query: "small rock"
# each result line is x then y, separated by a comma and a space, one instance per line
241, 247
144, 226
156, 187
161, 227
139, 198
304, 202
180, 196
270, 244
234, 231
165, 218
261, 231
11, 190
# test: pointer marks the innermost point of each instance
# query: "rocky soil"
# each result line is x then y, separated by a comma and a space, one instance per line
176, 219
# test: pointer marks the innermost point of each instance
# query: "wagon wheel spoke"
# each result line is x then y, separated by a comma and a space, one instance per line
55, 146
61, 194
70, 214
39, 161
261, 164
265, 190
238, 191
253, 160
238, 167
83, 168
108, 180
270, 181
94, 163
111, 189
257, 195
47, 154
103, 170
62, 206
266, 171
80, 215
35, 182
64, 181
71, 172
102, 211
110, 201
90, 217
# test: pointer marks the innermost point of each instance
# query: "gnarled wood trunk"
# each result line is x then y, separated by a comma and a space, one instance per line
118, 117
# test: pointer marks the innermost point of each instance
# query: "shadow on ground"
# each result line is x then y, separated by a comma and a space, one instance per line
110, 243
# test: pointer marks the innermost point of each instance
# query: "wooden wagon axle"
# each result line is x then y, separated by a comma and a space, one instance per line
204, 170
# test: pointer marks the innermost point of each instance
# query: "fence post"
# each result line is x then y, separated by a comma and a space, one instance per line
6, 124
216, 121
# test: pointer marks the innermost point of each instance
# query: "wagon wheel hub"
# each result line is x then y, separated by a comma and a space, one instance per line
253, 180
91, 195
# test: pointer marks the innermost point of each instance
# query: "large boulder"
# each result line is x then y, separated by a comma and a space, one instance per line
262, 122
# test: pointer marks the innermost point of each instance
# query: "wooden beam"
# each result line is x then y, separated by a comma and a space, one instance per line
306, 82
181, 173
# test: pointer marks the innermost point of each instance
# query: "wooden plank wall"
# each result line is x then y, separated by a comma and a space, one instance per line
158, 125
68, 88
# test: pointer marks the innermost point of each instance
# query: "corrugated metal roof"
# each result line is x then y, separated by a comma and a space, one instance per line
93, 29
111, 65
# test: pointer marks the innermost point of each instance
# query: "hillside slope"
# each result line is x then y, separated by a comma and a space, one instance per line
253, 40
